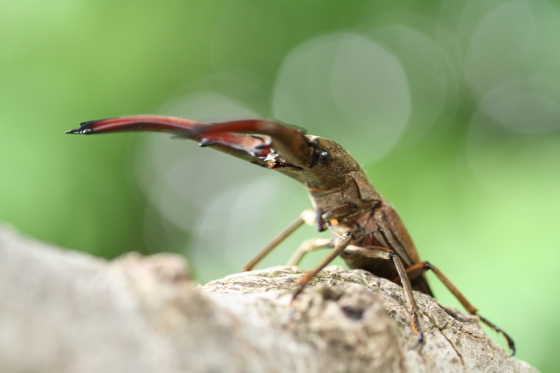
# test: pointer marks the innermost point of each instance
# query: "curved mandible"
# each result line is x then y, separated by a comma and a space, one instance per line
289, 141
250, 148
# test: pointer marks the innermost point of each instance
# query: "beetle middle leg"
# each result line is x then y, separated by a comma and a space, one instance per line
308, 246
419, 269
345, 237
377, 252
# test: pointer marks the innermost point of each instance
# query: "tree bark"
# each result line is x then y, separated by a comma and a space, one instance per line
64, 311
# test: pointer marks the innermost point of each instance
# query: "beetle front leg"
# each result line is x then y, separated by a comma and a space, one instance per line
346, 236
307, 216
376, 252
419, 269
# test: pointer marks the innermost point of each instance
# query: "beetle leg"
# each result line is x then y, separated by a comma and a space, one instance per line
320, 243
308, 246
419, 269
307, 216
345, 236
377, 252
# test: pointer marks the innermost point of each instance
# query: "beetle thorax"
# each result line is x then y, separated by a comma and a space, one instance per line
357, 191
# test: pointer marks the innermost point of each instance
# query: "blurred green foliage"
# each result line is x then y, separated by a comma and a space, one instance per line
452, 107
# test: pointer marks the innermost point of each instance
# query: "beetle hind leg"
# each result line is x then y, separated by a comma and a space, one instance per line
510, 342
419, 269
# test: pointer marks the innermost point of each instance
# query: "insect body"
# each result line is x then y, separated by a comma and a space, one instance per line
366, 231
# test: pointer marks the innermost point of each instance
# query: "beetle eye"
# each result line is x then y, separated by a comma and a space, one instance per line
323, 158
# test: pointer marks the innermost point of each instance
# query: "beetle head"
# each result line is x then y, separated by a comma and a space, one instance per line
327, 167
320, 164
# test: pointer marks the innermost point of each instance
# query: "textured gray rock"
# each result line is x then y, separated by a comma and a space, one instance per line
63, 311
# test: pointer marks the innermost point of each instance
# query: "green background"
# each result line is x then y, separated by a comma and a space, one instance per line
452, 107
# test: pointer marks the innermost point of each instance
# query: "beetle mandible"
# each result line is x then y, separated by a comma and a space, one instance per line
366, 231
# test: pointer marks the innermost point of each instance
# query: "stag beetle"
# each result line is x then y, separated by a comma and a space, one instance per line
366, 231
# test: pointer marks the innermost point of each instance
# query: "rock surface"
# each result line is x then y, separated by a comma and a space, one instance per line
63, 311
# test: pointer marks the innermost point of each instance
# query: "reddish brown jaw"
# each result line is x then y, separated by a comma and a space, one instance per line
252, 148
289, 142
178, 126
239, 138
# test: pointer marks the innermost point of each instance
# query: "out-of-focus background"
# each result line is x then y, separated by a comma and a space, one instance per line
452, 107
